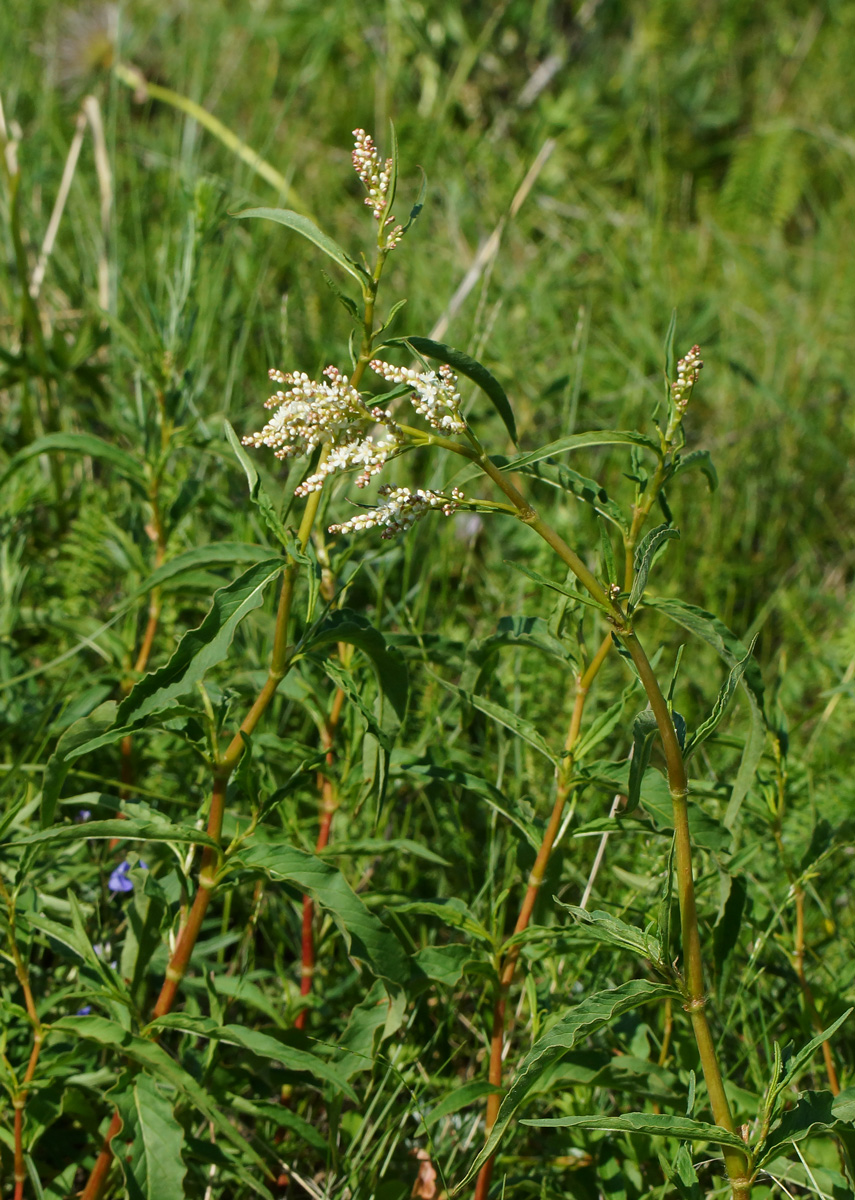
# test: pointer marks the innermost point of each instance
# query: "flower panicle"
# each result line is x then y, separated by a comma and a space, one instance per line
399, 509
688, 373
435, 396
329, 411
376, 175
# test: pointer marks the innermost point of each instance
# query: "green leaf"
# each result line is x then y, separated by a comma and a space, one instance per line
158, 1063
202, 648
725, 695
646, 553
796, 1064
697, 460
654, 1125
516, 724
577, 441
59, 763
715, 633
587, 490
602, 726
257, 492
682, 1174
461, 1097
153, 1169
564, 589
670, 356
78, 443
214, 554
309, 230
464, 365
132, 829
262, 1044
345, 625
585, 1019
644, 731
374, 846
814, 1113
365, 935
611, 931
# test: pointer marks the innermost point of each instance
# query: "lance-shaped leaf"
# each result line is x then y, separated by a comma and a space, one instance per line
158, 1063
657, 1125
644, 731
217, 554
257, 491
365, 935
715, 633
725, 695
511, 720
293, 1058
577, 441
153, 1166
310, 231
646, 554
697, 460
133, 829
344, 625
795, 1065
202, 648
813, 1114
472, 369
583, 1020
58, 765
611, 931
78, 443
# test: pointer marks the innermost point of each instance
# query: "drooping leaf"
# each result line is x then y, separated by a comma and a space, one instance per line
577, 441
153, 1167
715, 633
646, 553
351, 627
516, 724
365, 935
215, 554
644, 731
155, 1060
133, 829
699, 460
795, 1065
202, 648
611, 931
564, 589
257, 491
653, 1124
682, 1174
78, 443
464, 365
59, 763
707, 727
582, 1021
461, 1097
291, 1057
560, 476
310, 231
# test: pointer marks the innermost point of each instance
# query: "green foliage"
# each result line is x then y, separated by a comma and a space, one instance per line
394, 791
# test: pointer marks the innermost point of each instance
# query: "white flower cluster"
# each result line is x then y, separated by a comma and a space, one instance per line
435, 395
376, 176
310, 413
688, 372
399, 509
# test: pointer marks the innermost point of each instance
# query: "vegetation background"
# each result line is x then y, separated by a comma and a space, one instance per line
697, 157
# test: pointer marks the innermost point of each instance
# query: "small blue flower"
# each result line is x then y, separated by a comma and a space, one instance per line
83, 814
85, 1010
118, 881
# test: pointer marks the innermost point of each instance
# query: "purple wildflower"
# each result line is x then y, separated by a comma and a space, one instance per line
118, 881
85, 1010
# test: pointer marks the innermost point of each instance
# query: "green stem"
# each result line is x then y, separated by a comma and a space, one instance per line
738, 1165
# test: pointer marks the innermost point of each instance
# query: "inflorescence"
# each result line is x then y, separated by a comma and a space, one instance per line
377, 176
332, 413
399, 509
688, 372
